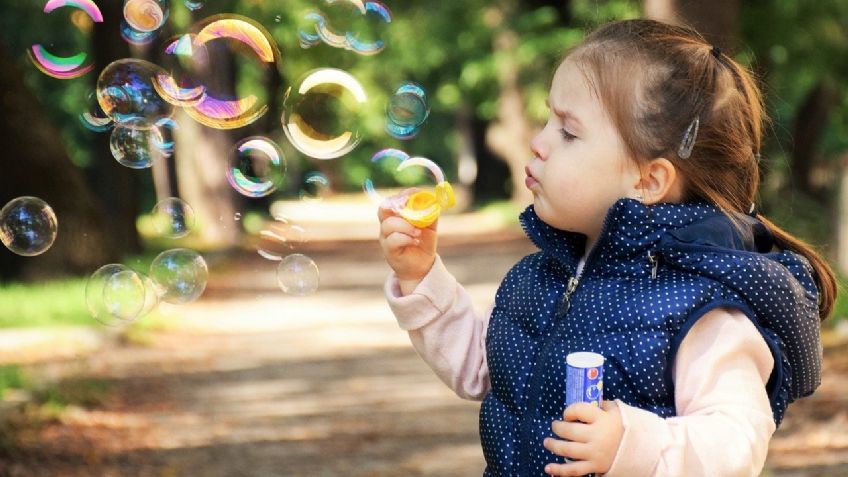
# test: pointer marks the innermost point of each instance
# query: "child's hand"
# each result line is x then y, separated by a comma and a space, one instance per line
593, 436
410, 251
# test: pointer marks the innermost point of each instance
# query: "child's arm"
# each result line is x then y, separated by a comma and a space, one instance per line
434, 309
724, 420
444, 329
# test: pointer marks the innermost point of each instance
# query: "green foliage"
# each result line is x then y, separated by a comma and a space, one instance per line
11, 377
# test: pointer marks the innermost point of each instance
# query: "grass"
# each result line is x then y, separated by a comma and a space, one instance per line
55, 303
11, 377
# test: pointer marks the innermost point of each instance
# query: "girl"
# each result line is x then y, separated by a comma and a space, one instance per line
651, 254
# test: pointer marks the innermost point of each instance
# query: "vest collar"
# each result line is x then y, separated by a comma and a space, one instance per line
631, 229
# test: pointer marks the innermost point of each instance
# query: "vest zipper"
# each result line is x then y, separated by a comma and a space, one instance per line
654, 260
565, 303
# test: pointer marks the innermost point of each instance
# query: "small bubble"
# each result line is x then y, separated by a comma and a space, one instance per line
27, 226
297, 275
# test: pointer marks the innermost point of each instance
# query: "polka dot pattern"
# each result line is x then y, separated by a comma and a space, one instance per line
634, 318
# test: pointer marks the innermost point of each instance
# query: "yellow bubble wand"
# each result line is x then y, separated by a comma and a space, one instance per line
423, 207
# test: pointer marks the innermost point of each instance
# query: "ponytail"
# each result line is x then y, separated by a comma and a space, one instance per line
823, 274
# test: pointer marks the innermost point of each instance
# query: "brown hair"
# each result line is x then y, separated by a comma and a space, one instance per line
654, 79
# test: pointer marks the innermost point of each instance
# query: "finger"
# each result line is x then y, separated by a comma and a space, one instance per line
384, 211
570, 449
398, 224
398, 240
608, 405
583, 412
572, 431
571, 469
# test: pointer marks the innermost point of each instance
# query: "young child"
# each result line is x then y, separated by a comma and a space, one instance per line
651, 254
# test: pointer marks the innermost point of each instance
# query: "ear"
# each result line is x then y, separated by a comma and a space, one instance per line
659, 182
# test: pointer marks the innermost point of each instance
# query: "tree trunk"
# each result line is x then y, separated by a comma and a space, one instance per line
810, 122
716, 20
510, 134
36, 163
115, 186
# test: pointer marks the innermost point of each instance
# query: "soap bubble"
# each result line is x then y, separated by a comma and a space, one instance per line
173, 218
135, 37
361, 37
382, 179
136, 148
178, 83
146, 15
297, 274
125, 92
75, 64
193, 5
124, 294
315, 187
180, 275
27, 226
115, 294
239, 34
322, 115
280, 237
346, 24
256, 167
407, 110
95, 119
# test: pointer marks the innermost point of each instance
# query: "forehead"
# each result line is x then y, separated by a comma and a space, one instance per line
571, 90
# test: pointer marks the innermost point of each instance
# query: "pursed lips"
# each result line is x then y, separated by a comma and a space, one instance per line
530, 181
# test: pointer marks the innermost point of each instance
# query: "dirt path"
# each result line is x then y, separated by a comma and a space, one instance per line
251, 382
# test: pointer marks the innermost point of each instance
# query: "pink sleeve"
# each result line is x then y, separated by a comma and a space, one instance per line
444, 330
724, 419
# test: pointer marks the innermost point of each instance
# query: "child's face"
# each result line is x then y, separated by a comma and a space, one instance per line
580, 166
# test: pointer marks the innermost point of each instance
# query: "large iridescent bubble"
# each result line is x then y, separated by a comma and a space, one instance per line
237, 35
27, 226
322, 115
125, 92
66, 66
183, 61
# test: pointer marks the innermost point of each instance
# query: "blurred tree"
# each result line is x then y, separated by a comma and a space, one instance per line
36, 163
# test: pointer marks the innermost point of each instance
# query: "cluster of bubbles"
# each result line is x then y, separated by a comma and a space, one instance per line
116, 294
342, 33
321, 118
27, 226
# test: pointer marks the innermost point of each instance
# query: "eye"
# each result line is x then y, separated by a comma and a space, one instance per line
567, 135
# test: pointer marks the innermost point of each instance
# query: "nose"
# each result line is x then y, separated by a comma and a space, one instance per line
537, 146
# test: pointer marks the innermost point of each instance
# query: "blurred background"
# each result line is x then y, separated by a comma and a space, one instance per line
275, 353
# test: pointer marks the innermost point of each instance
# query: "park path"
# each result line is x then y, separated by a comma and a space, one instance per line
250, 382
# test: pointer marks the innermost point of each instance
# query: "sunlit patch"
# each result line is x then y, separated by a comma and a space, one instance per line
322, 116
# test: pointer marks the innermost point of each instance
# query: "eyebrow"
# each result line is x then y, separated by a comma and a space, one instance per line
564, 113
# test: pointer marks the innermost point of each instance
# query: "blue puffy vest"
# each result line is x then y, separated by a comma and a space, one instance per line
652, 273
